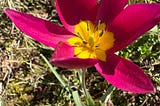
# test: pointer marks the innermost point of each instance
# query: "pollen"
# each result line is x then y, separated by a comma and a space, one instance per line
92, 41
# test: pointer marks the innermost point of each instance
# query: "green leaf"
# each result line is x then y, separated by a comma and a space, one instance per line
76, 98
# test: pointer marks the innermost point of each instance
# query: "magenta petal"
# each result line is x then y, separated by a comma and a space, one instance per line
109, 9
132, 22
72, 11
64, 57
125, 75
39, 29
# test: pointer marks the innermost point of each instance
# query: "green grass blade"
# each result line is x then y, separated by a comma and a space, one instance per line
108, 93
80, 75
76, 98
53, 69
90, 99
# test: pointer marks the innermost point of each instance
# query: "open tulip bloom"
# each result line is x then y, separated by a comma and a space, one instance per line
92, 33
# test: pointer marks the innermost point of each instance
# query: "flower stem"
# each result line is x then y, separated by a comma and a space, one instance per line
88, 97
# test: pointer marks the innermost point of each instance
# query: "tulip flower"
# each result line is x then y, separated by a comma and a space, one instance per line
91, 34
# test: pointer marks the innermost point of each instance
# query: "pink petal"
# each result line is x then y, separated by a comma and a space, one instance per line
64, 57
41, 30
109, 9
125, 75
132, 22
72, 11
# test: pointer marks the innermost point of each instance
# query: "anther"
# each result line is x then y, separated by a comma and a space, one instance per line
101, 33
79, 35
88, 26
97, 45
84, 42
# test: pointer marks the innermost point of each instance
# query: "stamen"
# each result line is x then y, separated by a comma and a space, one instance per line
97, 45
91, 41
88, 26
80, 35
97, 27
84, 42
99, 23
101, 33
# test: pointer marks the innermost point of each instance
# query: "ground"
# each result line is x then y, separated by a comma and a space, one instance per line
26, 77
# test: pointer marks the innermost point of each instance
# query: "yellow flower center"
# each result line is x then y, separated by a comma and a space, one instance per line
91, 41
